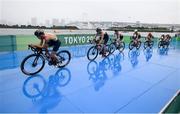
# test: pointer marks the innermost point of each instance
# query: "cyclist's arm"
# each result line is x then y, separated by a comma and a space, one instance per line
41, 45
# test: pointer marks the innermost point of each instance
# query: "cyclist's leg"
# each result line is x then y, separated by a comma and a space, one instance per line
55, 49
46, 50
104, 48
135, 41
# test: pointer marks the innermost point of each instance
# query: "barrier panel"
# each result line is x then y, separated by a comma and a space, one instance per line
7, 43
20, 42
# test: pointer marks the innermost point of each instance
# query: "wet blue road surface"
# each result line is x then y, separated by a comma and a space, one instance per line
135, 81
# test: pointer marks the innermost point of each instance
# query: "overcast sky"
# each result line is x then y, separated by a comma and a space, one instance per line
149, 11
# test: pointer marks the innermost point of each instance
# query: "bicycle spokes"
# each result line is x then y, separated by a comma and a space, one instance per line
35, 62
63, 58
32, 64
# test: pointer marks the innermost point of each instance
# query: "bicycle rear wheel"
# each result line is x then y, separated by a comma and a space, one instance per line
32, 64
64, 58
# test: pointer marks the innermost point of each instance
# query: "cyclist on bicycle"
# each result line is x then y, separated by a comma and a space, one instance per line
149, 37
101, 38
118, 36
48, 40
162, 38
167, 39
136, 37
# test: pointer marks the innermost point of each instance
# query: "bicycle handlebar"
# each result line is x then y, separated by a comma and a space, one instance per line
36, 49
32, 48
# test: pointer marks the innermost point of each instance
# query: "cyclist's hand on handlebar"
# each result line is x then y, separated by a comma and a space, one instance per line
30, 45
34, 47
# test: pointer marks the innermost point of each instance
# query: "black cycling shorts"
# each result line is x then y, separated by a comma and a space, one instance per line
121, 37
55, 44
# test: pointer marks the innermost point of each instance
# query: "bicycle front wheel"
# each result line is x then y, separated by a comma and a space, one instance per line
160, 44
131, 45
32, 64
122, 46
112, 48
138, 45
92, 53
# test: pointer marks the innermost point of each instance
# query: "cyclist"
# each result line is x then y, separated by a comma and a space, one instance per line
118, 37
48, 40
101, 37
136, 37
162, 38
167, 39
149, 37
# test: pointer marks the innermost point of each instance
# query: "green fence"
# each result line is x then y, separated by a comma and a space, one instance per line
20, 42
8, 43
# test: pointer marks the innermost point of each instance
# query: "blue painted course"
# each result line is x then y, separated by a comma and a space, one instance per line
135, 81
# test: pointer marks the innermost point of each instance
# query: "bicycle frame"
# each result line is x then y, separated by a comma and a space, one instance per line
97, 46
40, 52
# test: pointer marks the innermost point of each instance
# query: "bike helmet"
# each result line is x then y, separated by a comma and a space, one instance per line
135, 30
116, 30
149, 34
163, 35
38, 32
98, 29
